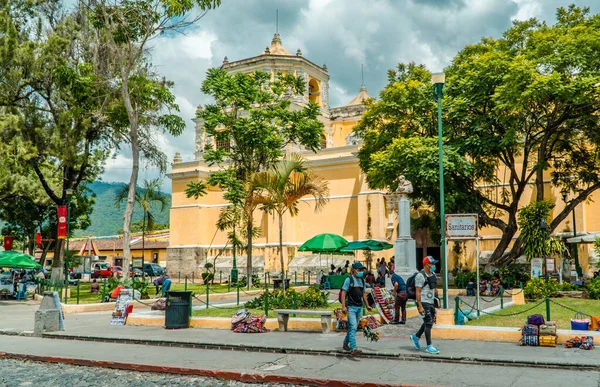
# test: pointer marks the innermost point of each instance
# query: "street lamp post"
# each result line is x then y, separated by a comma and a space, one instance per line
438, 80
544, 228
69, 193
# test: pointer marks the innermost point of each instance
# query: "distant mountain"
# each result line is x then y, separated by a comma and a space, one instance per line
107, 218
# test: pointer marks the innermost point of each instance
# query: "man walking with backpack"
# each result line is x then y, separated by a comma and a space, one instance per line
425, 285
352, 296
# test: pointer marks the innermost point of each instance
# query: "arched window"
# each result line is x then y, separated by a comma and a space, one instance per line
314, 91
323, 141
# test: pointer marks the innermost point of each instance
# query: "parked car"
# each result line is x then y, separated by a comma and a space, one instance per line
104, 270
135, 272
153, 269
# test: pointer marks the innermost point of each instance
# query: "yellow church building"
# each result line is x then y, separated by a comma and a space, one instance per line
354, 210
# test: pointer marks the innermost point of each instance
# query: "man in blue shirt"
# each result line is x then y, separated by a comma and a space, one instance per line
400, 297
353, 296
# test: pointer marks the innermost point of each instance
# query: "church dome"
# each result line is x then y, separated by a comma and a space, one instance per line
276, 48
361, 97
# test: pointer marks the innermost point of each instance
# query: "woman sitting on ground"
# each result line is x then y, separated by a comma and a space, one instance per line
95, 287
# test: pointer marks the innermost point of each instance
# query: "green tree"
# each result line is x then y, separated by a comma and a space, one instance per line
50, 100
146, 104
281, 188
254, 114
146, 196
518, 107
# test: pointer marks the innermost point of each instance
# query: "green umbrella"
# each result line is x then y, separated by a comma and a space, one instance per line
324, 243
14, 259
383, 244
360, 245
369, 244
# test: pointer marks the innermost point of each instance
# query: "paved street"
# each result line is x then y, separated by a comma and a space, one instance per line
28, 373
270, 364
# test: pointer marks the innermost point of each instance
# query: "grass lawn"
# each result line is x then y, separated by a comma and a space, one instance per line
561, 315
199, 288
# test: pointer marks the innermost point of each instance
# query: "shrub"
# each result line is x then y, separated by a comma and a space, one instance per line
512, 275
594, 289
567, 287
537, 288
312, 298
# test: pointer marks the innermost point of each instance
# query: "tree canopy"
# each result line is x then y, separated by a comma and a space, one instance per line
514, 108
147, 104
254, 116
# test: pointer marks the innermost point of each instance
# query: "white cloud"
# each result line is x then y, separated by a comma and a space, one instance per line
341, 33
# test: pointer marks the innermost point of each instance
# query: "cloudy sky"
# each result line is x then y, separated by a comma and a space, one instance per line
340, 33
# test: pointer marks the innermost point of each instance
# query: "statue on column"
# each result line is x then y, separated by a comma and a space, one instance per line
404, 186
404, 245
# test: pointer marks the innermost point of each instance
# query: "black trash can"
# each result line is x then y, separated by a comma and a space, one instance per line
177, 313
277, 283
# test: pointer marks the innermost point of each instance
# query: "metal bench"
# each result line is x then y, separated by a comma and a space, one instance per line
283, 316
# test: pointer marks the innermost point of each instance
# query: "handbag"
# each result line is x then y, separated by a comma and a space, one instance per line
579, 322
535, 319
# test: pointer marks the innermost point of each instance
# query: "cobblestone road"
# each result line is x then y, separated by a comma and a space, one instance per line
26, 373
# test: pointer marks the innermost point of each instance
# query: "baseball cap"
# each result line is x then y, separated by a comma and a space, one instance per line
357, 266
429, 260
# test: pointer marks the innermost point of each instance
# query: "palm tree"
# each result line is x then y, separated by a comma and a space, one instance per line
148, 194
281, 188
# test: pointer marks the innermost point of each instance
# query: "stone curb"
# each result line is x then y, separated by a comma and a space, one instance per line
248, 377
305, 351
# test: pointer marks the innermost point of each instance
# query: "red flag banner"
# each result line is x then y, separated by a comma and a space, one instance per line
7, 243
38, 240
62, 222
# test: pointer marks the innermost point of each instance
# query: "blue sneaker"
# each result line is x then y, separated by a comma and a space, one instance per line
415, 341
431, 349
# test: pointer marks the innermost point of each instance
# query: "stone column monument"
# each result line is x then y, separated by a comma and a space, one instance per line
404, 245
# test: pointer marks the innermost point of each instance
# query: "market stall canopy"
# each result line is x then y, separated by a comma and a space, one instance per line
324, 243
15, 259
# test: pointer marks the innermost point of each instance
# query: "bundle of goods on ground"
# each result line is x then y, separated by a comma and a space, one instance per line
244, 322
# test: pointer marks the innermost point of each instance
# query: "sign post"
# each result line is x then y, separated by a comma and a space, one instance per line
462, 227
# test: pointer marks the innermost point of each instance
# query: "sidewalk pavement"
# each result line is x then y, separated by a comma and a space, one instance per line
261, 367
394, 342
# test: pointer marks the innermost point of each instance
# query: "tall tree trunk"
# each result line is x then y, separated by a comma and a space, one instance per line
31, 244
539, 178
135, 152
58, 273
143, 236
135, 155
281, 250
249, 251
499, 257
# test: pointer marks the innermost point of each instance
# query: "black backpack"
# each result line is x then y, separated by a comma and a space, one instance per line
411, 289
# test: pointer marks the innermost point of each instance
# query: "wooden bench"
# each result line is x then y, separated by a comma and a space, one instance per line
283, 316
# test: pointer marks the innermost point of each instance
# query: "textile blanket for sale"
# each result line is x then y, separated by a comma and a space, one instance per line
244, 322
384, 301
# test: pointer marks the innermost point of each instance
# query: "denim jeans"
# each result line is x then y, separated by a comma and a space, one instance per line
354, 314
